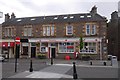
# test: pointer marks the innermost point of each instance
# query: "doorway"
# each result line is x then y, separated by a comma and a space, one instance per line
33, 52
53, 52
25, 50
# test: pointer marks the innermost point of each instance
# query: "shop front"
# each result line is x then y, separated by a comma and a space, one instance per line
61, 47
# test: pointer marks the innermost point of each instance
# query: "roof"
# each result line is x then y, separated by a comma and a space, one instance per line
54, 19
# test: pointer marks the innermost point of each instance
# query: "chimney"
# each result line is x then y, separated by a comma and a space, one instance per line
93, 10
13, 16
7, 17
114, 15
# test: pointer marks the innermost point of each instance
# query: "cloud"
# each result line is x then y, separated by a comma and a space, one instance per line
28, 8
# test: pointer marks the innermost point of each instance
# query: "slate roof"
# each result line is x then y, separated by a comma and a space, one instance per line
54, 19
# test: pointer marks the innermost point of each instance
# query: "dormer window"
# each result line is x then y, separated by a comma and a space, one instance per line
65, 17
88, 16
32, 19
55, 18
71, 17
81, 16
19, 20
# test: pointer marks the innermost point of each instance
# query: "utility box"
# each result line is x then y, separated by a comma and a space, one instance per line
114, 61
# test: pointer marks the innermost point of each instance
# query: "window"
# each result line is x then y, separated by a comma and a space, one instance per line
66, 47
44, 31
9, 31
93, 32
88, 16
65, 17
89, 47
69, 30
43, 47
87, 29
27, 31
48, 30
90, 29
52, 31
81, 16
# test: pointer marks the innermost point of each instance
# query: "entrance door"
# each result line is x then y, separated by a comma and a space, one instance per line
53, 52
25, 50
33, 52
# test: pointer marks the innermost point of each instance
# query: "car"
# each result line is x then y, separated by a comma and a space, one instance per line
2, 58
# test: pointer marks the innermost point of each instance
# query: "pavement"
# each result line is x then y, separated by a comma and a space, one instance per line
63, 69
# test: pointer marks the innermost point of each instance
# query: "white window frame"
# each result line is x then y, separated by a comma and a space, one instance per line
44, 31
87, 28
84, 51
65, 47
67, 30
93, 29
9, 31
26, 30
52, 30
48, 30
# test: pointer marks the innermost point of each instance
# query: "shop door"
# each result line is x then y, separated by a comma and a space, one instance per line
53, 52
25, 50
33, 52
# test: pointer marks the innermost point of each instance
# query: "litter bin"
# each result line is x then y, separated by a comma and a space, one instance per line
114, 61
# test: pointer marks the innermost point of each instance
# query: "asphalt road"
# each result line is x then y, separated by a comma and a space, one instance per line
8, 68
84, 73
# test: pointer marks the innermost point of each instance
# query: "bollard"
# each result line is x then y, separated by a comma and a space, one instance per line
31, 68
51, 60
90, 62
74, 71
104, 63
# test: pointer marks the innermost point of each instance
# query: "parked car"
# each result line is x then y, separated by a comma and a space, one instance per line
2, 58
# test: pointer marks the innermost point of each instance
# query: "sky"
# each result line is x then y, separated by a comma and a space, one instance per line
29, 8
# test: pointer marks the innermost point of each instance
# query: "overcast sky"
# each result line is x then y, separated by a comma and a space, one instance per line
29, 8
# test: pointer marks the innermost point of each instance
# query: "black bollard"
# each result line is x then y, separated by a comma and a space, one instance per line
104, 63
90, 62
31, 68
74, 71
51, 61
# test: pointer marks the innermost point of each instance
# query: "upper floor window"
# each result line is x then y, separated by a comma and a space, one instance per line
27, 31
93, 30
48, 30
69, 30
90, 29
9, 31
87, 29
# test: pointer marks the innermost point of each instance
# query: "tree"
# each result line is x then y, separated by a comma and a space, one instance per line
81, 42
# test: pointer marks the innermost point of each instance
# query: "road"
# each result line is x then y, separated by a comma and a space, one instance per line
84, 72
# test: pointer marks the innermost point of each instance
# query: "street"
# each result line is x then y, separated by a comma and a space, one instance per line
60, 70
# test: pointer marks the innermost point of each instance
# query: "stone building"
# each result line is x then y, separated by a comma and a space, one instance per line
57, 35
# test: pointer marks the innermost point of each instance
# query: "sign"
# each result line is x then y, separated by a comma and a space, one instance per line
17, 40
24, 40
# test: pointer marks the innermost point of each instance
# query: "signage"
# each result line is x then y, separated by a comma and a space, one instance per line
17, 40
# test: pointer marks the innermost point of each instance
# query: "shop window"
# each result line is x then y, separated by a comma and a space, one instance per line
89, 47
66, 47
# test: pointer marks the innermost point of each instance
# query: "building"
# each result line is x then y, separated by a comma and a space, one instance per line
56, 35
113, 35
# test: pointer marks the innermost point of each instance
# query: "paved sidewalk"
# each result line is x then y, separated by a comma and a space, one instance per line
54, 71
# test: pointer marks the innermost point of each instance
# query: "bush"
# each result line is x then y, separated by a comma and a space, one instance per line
41, 56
